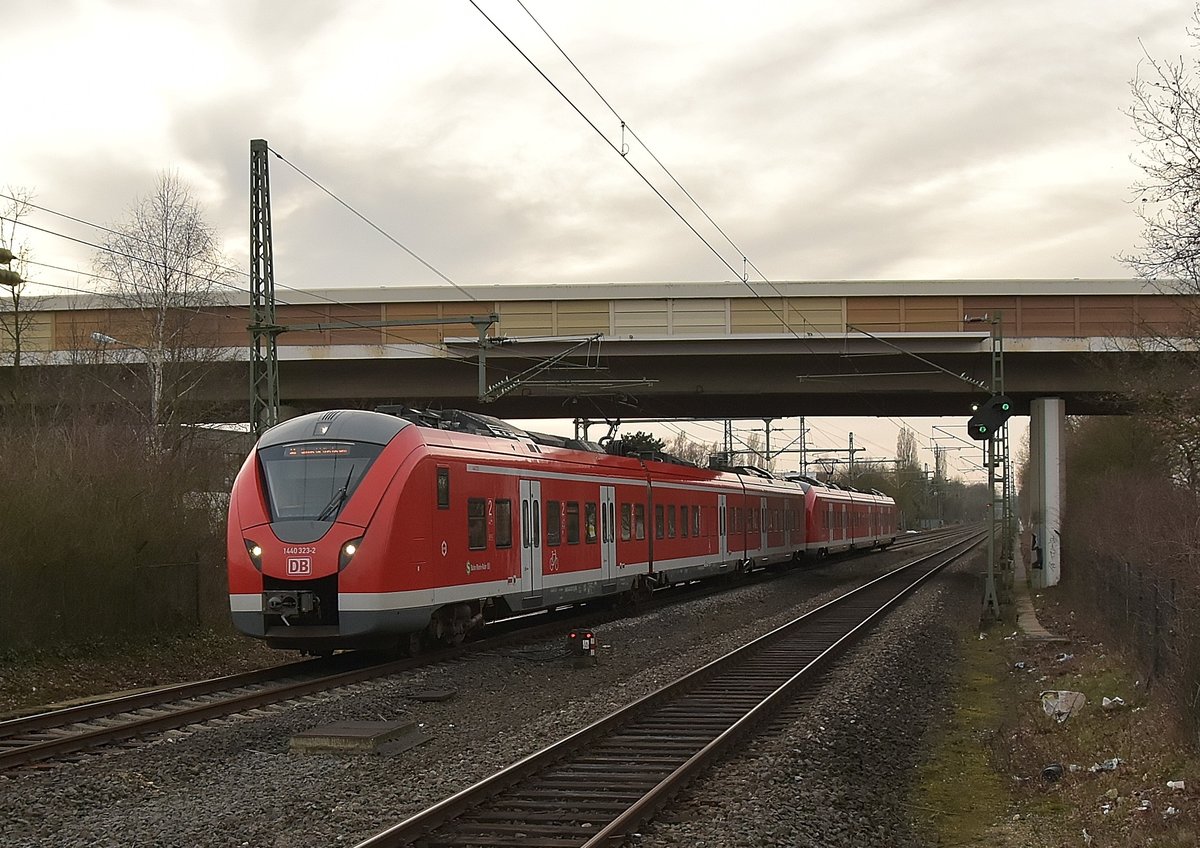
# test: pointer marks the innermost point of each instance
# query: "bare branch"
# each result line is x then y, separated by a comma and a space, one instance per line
164, 265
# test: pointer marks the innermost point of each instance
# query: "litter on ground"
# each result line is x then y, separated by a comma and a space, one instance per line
1061, 704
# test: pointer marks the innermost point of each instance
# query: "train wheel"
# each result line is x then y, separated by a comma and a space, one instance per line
637, 597
451, 624
414, 645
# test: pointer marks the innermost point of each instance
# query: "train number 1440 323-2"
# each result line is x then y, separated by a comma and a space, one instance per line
294, 551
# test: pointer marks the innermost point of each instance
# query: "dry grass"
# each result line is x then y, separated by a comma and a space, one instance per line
983, 784
35, 679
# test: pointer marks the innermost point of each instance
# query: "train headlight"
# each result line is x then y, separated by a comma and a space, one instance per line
255, 551
348, 551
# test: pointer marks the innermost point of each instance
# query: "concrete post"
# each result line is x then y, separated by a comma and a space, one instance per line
1046, 475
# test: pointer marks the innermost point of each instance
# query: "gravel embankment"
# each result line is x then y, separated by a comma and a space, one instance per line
825, 781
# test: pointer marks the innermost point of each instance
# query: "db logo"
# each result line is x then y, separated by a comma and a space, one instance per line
299, 566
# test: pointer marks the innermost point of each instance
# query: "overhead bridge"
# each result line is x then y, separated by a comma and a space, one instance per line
905, 347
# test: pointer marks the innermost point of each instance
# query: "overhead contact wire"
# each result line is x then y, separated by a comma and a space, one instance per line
666, 170
373, 225
109, 295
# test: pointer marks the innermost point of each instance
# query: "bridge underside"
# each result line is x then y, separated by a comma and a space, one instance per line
705, 386
856, 377
675, 380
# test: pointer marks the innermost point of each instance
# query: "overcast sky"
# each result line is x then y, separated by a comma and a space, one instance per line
880, 139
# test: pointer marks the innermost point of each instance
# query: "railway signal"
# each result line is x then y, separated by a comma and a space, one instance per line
989, 417
8, 277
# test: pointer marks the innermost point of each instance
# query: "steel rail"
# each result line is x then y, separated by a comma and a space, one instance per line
112, 705
182, 714
70, 733
22, 742
540, 786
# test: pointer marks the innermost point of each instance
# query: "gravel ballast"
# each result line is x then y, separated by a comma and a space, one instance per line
838, 776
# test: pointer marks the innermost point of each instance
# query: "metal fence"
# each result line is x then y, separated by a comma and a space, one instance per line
1139, 609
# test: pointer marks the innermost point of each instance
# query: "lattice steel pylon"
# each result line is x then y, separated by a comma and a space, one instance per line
264, 357
996, 455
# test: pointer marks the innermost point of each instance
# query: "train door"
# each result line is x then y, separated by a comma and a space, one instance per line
722, 528
531, 537
608, 533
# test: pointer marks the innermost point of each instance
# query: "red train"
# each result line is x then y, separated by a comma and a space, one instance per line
351, 528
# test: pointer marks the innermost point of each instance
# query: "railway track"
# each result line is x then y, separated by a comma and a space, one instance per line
598, 785
58, 733
73, 730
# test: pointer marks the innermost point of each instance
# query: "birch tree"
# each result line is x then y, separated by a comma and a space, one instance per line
164, 266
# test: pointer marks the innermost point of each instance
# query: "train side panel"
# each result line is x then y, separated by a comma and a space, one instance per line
352, 528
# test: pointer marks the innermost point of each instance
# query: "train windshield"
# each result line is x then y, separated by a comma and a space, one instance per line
311, 481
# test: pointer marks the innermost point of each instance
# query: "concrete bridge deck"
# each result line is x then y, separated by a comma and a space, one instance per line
674, 349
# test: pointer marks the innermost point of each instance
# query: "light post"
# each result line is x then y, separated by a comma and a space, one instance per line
100, 338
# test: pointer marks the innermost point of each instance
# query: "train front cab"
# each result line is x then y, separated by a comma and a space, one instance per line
298, 519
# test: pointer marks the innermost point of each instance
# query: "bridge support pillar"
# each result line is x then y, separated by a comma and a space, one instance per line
1046, 474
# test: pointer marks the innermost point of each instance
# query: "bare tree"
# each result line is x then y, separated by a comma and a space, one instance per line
754, 452
15, 317
163, 264
1166, 118
691, 451
912, 489
907, 456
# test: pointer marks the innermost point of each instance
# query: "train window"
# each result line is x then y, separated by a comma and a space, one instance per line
443, 487
535, 525
671, 521
525, 524
626, 522
589, 522
695, 520
553, 523
504, 524
737, 519
312, 481
658, 522
573, 522
476, 523
683, 521
639, 521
